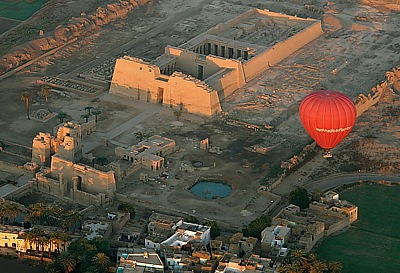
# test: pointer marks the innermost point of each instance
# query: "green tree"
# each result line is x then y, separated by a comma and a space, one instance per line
101, 261
71, 219
36, 213
59, 238
43, 241
128, 208
299, 262
215, 229
101, 161
26, 97
177, 114
192, 219
89, 109
62, 116
335, 267
299, 197
256, 226
34, 237
139, 135
86, 117
45, 92
68, 262
96, 113
10, 209
316, 195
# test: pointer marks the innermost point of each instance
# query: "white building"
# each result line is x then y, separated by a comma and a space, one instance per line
140, 263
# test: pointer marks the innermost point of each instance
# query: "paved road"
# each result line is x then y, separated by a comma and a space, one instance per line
130, 123
335, 181
331, 182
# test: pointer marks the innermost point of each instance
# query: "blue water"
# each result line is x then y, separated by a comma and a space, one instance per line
210, 190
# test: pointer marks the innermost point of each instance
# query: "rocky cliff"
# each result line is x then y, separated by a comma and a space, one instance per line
76, 27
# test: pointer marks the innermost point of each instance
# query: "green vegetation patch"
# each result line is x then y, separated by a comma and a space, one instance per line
20, 10
373, 243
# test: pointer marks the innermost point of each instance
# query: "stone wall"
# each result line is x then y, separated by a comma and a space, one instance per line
280, 51
363, 103
89, 179
20, 191
143, 81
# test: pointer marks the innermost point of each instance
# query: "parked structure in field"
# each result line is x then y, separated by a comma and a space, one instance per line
198, 75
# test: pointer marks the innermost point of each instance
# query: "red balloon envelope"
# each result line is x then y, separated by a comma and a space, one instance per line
328, 117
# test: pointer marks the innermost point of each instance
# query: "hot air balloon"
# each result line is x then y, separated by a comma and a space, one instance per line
328, 117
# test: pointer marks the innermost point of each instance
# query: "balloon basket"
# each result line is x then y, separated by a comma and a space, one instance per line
327, 154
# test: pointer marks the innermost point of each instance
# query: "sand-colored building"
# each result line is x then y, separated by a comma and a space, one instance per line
66, 177
148, 153
14, 237
196, 76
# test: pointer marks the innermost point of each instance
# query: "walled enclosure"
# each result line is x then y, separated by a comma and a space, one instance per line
196, 76
67, 178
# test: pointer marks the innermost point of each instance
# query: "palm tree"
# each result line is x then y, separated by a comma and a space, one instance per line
101, 262
139, 135
45, 92
26, 97
64, 238
318, 267
54, 267
298, 256
96, 113
33, 236
36, 213
89, 108
9, 208
70, 219
61, 116
43, 242
86, 117
55, 238
290, 268
54, 216
68, 262
335, 267
2, 211
59, 237
177, 114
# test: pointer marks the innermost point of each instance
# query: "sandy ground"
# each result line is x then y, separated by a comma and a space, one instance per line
270, 99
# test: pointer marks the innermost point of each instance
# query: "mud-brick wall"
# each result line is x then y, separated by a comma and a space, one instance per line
280, 51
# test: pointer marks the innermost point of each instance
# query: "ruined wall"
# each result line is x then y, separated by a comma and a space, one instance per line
42, 148
338, 226
91, 180
76, 27
49, 185
363, 103
280, 51
18, 192
88, 199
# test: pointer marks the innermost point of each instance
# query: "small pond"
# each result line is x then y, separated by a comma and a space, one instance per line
206, 189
